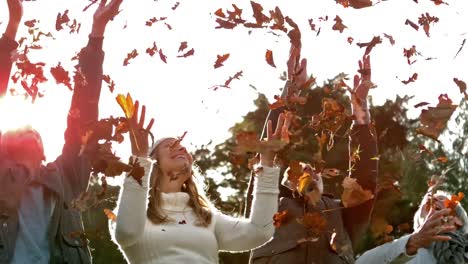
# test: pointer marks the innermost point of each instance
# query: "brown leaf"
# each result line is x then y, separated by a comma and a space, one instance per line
434, 119
354, 194
152, 50
220, 60
61, 19
425, 20
269, 58
370, 45
412, 24
339, 26
175, 6
260, 18
183, 46
314, 222
31, 23
111, 84
187, 54
130, 56
355, 3
413, 78
390, 38
462, 86
408, 53
421, 104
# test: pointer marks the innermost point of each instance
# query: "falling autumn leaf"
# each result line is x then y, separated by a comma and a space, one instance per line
110, 215
61, 19
220, 60
175, 6
126, 103
339, 26
61, 75
434, 119
315, 222
421, 104
269, 58
353, 193
355, 3
350, 40
390, 38
453, 202
370, 45
183, 46
412, 24
280, 218
248, 142
460, 49
107, 79
31, 23
152, 50
237, 76
130, 56
187, 54
425, 20
409, 53
413, 78
162, 56
462, 86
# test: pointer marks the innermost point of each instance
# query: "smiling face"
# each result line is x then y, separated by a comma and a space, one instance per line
173, 158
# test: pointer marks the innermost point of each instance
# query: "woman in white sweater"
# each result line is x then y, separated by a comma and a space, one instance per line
179, 225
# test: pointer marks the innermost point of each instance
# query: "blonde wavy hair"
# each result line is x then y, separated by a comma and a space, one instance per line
198, 202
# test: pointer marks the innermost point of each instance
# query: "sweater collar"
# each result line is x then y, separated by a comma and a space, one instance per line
176, 201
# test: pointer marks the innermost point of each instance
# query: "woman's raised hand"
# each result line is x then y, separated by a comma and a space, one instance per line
281, 133
138, 134
359, 93
104, 13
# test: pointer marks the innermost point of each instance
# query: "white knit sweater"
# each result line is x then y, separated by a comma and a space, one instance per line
181, 241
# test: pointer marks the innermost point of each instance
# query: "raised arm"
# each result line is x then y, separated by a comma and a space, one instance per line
132, 204
8, 43
86, 93
363, 139
245, 234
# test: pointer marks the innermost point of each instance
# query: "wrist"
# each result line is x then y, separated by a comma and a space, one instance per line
412, 245
98, 30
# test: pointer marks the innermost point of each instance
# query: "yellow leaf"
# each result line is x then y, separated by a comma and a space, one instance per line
126, 103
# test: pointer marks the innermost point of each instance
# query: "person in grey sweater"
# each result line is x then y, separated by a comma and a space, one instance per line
440, 236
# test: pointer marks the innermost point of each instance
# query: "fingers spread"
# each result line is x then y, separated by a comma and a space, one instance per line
441, 238
150, 125
279, 124
135, 113
356, 82
142, 117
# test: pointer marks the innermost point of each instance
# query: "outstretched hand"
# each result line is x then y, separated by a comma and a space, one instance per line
138, 134
436, 223
104, 13
281, 133
360, 91
297, 71
15, 9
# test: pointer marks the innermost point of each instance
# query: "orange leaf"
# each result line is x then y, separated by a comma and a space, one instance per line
453, 202
110, 215
269, 58
280, 218
126, 103
353, 193
315, 222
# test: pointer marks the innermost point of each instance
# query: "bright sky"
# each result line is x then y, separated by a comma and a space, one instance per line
177, 94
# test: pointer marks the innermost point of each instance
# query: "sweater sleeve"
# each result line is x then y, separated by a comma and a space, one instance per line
7, 46
234, 234
132, 206
387, 253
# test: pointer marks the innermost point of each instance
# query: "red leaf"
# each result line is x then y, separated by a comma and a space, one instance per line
277, 16
187, 54
152, 50
220, 60
168, 26
269, 58
220, 13
130, 56
107, 79
408, 53
413, 78
162, 56
339, 26
153, 20
61, 76
61, 19
236, 76
110, 215
183, 46
31, 23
